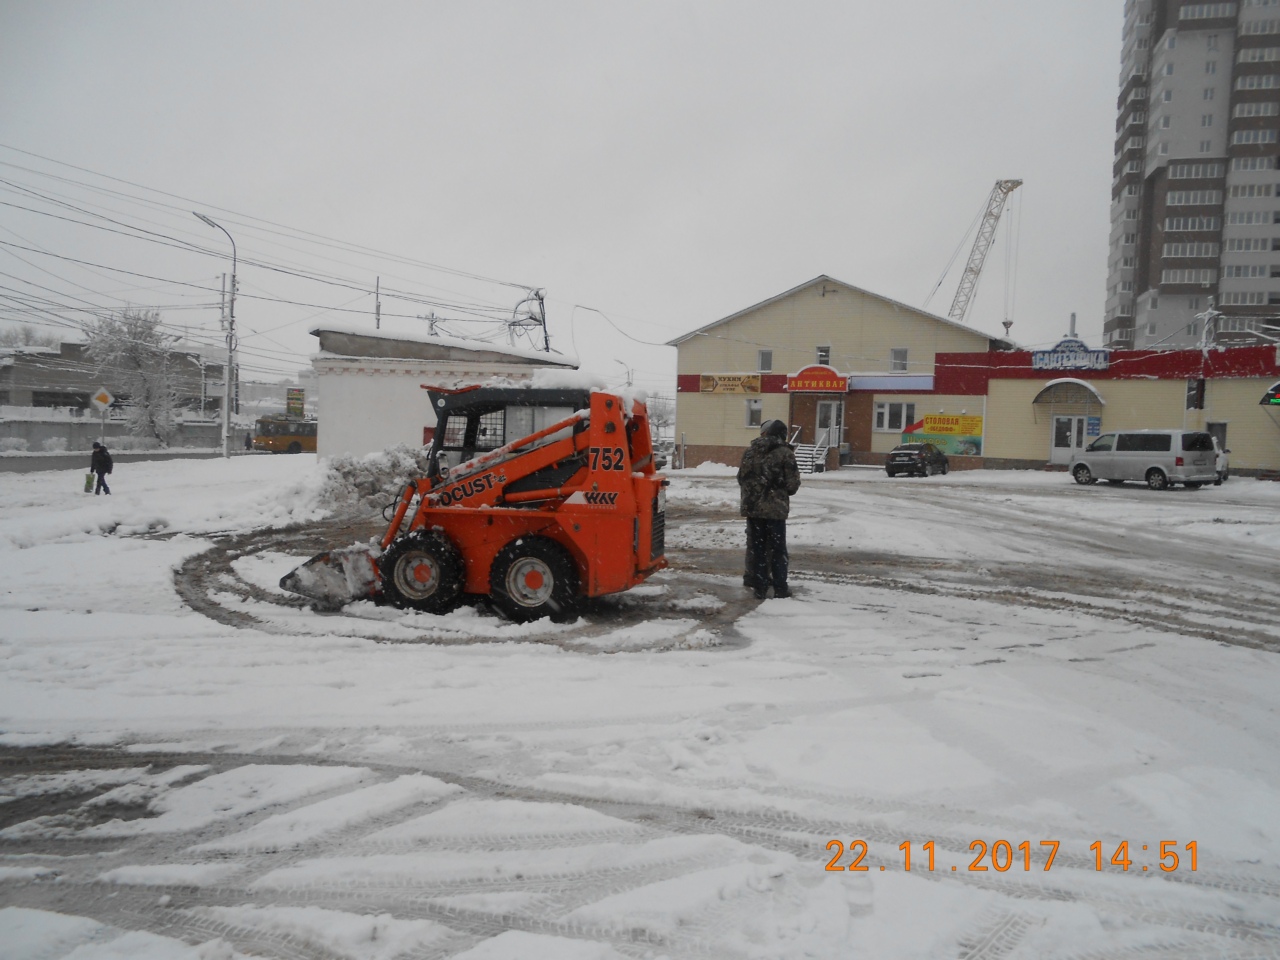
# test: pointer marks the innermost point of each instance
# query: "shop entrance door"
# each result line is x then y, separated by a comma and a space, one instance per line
1068, 438
830, 426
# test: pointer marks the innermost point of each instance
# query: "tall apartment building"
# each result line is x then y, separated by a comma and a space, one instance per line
1195, 199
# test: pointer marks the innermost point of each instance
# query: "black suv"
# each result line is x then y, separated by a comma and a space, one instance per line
923, 459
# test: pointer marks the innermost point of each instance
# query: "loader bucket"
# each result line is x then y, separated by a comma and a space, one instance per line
336, 577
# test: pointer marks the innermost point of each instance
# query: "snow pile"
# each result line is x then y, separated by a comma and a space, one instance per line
42, 935
361, 937
367, 484
297, 827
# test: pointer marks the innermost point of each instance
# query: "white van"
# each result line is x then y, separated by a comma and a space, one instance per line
1156, 457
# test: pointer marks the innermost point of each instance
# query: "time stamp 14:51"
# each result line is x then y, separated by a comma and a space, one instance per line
1002, 856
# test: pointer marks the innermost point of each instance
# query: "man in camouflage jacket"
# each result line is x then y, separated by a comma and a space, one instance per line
767, 479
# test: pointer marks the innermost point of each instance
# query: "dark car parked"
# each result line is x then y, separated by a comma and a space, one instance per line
915, 459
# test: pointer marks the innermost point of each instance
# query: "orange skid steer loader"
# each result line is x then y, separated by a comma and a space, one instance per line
553, 497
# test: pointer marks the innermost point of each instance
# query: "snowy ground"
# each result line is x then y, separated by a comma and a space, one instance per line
195, 768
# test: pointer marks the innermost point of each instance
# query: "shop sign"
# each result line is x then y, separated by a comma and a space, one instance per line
1093, 427
1272, 397
952, 425
296, 402
817, 378
956, 436
729, 383
952, 444
1070, 354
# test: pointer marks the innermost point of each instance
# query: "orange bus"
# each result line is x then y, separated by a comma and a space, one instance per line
282, 434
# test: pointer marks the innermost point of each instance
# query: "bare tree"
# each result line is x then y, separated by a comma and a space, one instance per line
27, 336
662, 414
132, 350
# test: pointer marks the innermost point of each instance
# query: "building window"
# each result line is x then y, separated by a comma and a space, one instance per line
1168, 69
1194, 171
1206, 119
1257, 27
894, 417
1252, 189
1208, 93
1258, 81
1202, 249
1127, 262
1193, 223
1129, 239
1131, 214
1206, 146
1243, 300
824, 356
1164, 149
1245, 270
755, 410
1195, 198
1253, 136
1131, 190
1211, 66
1206, 11
898, 360
1193, 303
1248, 245
764, 361
1249, 218
1171, 41
1258, 55
1167, 96
1164, 123
1253, 163
1155, 302
1211, 41
1189, 275
1267, 108
1133, 166
1195, 394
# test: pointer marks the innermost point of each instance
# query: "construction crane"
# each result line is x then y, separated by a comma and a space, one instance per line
981, 244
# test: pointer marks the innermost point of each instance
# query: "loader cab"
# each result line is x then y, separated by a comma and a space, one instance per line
473, 421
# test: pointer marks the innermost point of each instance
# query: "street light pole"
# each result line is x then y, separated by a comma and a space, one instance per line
231, 343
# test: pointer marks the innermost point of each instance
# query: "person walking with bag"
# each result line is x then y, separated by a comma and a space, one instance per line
767, 480
100, 463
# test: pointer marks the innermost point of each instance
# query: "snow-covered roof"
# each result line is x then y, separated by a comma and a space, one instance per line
353, 340
823, 278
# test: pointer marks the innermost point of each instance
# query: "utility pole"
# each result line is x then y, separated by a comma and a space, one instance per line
231, 343
377, 304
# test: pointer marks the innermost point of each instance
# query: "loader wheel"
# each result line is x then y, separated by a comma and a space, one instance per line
422, 571
533, 577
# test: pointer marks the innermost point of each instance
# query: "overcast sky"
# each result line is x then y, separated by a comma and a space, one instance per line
664, 163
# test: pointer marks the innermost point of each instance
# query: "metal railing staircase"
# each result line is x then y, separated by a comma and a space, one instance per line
811, 457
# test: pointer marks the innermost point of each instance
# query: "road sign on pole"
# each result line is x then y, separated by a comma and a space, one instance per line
102, 401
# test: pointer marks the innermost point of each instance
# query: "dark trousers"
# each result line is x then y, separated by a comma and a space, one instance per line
102, 483
767, 554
